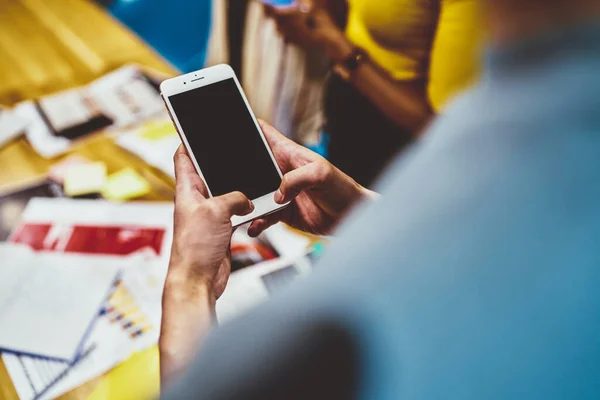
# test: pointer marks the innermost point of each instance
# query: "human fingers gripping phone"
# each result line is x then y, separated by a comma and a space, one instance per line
223, 138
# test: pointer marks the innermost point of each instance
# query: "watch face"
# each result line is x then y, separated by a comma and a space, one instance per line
357, 58
345, 68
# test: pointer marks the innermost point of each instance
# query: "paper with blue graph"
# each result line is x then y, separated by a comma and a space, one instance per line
128, 321
47, 302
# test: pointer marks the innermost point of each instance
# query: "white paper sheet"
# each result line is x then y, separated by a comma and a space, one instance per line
33, 376
11, 125
108, 345
55, 224
50, 300
65, 109
251, 286
38, 134
125, 96
99, 219
286, 242
158, 153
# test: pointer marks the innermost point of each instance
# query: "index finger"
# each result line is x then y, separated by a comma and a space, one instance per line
273, 136
186, 177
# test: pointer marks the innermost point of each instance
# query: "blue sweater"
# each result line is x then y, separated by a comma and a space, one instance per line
476, 276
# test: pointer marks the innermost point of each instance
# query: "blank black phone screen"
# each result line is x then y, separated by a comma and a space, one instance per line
225, 141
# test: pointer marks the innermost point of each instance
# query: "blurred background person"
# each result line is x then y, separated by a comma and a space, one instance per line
396, 63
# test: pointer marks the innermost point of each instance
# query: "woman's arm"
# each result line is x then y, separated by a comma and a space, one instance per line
405, 103
453, 66
338, 9
410, 104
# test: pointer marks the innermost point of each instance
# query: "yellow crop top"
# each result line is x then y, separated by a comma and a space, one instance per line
438, 40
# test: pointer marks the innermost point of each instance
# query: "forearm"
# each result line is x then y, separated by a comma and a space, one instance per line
338, 9
188, 315
405, 103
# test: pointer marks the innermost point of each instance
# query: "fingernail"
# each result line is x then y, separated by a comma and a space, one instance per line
251, 206
278, 196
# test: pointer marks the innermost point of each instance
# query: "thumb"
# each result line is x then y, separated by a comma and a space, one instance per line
235, 203
186, 176
310, 176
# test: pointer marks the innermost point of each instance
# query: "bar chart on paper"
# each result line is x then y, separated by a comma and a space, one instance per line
122, 310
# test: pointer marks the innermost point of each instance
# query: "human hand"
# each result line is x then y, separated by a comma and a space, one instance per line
310, 26
321, 194
200, 265
202, 229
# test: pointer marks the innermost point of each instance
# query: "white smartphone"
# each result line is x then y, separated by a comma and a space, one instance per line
223, 138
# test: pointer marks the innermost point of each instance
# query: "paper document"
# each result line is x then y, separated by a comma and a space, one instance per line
155, 143
38, 133
33, 377
127, 95
118, 99
13, 203
11, 126
287, 242
128, 322
59, 171
66, 109
96, 227
252, 286
49, 301
85, 179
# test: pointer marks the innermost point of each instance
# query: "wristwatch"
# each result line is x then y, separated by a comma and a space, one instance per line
346, 68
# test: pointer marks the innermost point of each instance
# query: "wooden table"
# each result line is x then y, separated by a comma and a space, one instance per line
50, 45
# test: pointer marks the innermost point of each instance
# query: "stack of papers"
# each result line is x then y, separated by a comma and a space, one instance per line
112, 340
134, 238
137, 237
119, 99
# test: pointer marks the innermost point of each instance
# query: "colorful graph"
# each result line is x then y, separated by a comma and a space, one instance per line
121, 309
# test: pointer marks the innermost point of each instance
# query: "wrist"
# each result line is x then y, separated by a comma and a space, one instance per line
337, 47
181, 287
188, 313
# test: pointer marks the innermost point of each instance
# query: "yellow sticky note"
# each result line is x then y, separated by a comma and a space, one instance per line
158, 130
58, 171
85, 179
124, 185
